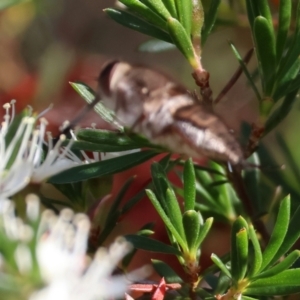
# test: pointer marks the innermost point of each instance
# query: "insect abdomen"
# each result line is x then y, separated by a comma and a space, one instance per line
206, 132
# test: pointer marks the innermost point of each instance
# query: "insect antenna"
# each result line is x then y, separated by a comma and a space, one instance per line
82, 113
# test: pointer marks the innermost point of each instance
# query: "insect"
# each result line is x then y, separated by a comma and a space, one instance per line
152, 104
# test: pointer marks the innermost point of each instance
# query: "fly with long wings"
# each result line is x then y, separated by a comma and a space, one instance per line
152, 104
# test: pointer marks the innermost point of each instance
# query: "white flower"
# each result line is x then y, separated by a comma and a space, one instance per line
15, 172
65, 242
91, 283
61, 254
66, 271
22, 152
58, 158
15, 236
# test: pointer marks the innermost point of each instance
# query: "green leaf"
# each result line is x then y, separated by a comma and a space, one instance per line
217, 261
284, 20
205, 195
238, 225
135, 23
285, 82
293, 85
284, 283
189, 185
192, 222
145, 12
184, 11
171, 7
281, 112
73, 192
166, 220
156, 46
252, 11
107, 138
161, 184
110, 224
174, 211
146, 231
218, 183
248, 298
86, 146
130, 203
158, 7
114, 212
223, 284
291, 236
49, 201
182, 41
245, 70
210, 171
204, 175
264, 10
120, 196
210, 19
204, 231
89, 95
224, 197
266, 52
102, 168
279, 232
165, 271
242, 252
293, 51
165, 162
148, 244
255, 266
280, 267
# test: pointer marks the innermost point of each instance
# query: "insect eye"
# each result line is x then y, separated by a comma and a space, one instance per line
106, 75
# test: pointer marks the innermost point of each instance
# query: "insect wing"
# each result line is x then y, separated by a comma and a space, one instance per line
206, 134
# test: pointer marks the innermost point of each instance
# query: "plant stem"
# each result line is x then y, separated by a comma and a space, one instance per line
257, 132
201, 77
235, 177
